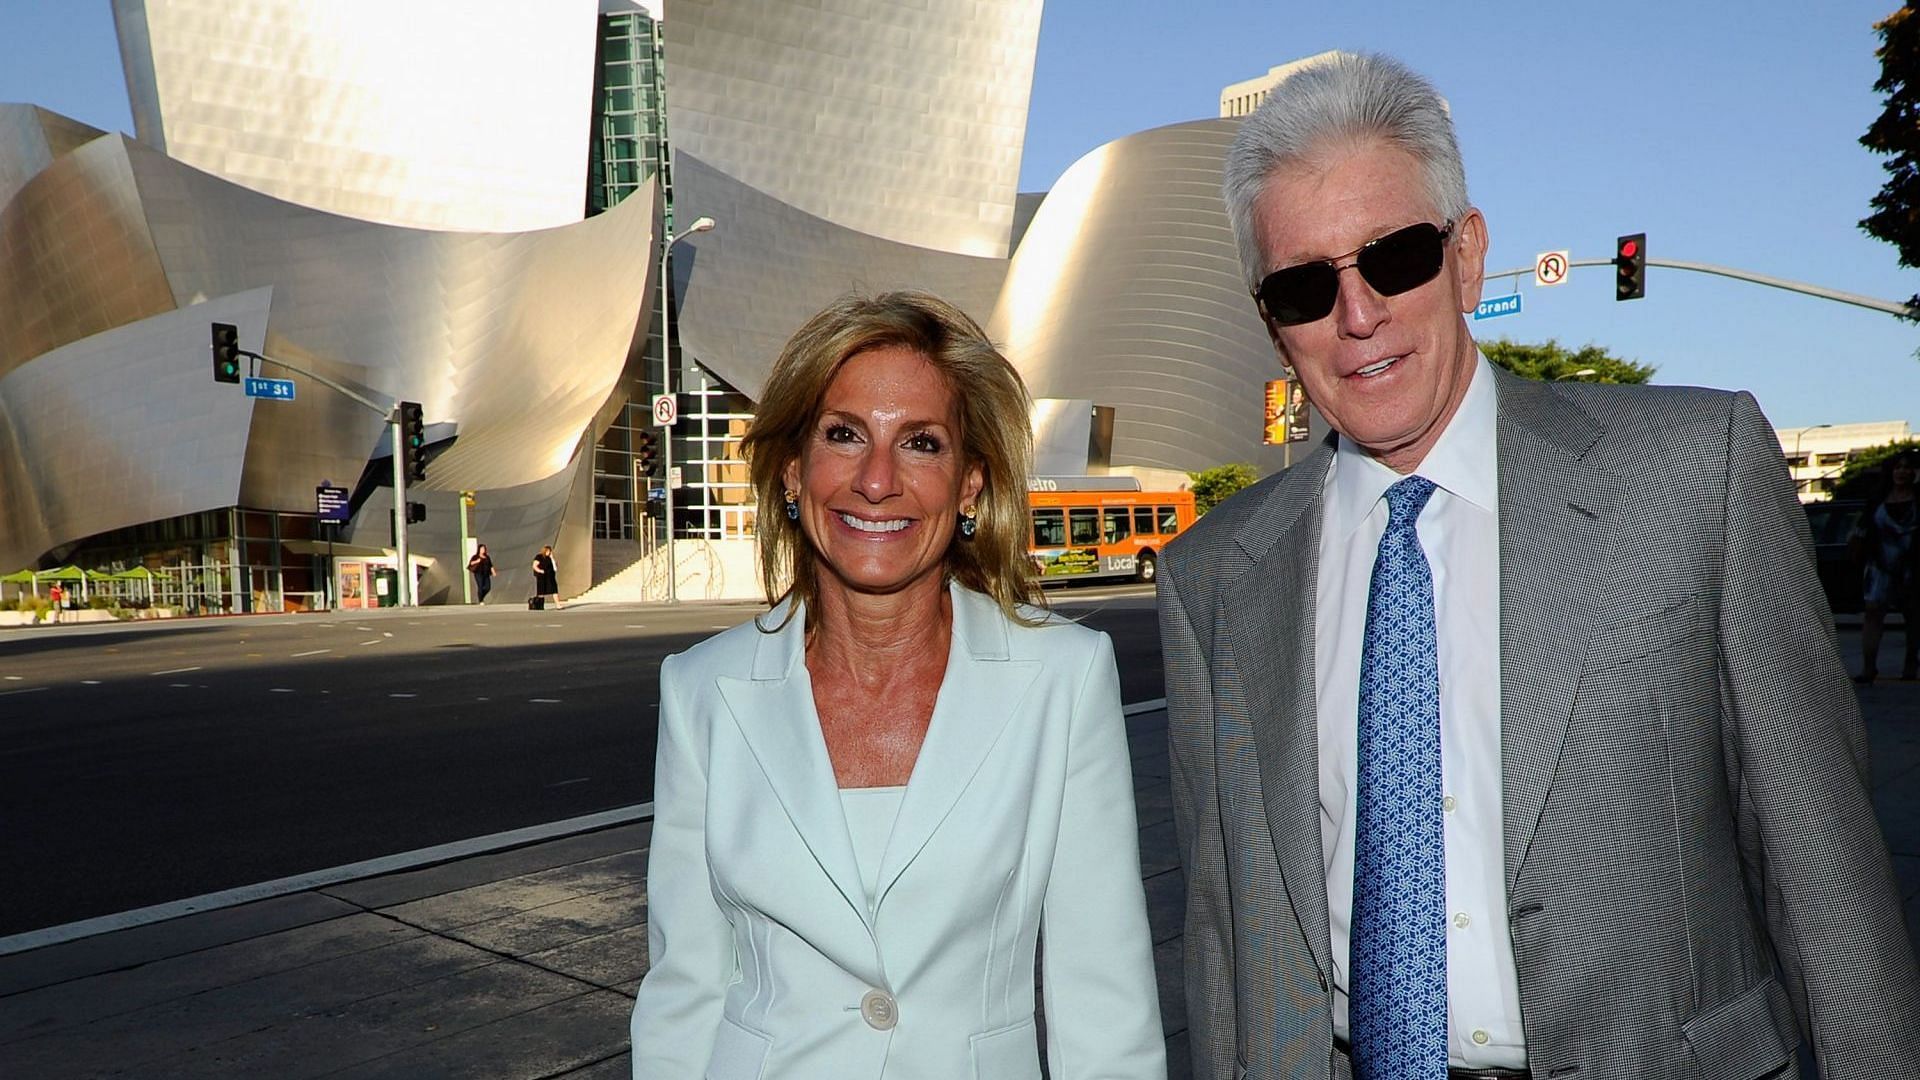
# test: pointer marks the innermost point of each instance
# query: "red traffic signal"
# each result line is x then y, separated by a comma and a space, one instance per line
1630, 266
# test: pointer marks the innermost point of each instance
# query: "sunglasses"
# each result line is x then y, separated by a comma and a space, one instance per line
1401, 260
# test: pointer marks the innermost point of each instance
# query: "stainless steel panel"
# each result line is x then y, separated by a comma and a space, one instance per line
1127, 290
121, 428
745, 287
76, 256
30, 139
435, 114
903, 119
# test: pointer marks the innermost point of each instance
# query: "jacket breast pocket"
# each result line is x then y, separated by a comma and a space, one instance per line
739, 1053
1638, 635
1743, 1039
1010, 1053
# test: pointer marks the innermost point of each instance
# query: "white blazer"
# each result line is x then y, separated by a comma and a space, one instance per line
766, 959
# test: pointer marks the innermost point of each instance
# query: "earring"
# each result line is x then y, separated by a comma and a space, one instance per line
793, 505
969, 523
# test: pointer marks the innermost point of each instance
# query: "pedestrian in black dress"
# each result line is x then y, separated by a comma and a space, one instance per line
481, 567
546, 578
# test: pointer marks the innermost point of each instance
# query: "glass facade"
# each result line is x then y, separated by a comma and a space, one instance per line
715, 499
628, 149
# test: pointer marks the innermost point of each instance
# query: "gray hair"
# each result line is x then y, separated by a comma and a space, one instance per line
1341, 97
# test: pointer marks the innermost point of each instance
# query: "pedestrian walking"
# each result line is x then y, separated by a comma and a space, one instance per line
56, 596
546, 579
1883, 541
481, 567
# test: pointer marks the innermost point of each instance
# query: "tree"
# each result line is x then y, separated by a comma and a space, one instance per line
1549, 362
1863, 476
1212, 486
1896, 210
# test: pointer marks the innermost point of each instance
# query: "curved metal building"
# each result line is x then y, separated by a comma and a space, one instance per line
354, 186
1127, 290
117, 258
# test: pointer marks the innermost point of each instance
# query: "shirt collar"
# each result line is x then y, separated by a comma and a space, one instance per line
1463, 462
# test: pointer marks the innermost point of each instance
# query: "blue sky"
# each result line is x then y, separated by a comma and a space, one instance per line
1725, 131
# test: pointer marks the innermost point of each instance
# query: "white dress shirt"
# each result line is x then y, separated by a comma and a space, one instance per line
1460, 532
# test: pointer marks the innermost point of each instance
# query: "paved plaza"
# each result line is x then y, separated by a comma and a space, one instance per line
520, 964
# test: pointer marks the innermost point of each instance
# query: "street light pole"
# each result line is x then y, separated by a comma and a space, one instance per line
666, 388
1797, 436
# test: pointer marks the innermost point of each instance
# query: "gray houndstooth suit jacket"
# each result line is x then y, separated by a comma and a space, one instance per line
1694, 873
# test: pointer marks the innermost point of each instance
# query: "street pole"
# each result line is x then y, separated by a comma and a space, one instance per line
466, 577
404, 598
1797, 436
666, 388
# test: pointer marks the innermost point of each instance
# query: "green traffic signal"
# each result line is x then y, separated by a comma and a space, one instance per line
226, 353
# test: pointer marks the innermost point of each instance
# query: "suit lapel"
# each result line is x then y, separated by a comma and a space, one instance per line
1558, 524
774, 712
980, 693
1271, 628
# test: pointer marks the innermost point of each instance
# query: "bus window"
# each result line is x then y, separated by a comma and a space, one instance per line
1049, 528
1083, 524
1143, 519
1117, 524
1169, 520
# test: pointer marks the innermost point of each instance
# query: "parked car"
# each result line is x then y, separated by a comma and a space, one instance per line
1831, 523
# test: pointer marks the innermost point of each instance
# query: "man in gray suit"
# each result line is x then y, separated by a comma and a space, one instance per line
1509, 733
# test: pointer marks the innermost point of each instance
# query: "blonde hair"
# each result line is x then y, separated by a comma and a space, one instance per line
995, 435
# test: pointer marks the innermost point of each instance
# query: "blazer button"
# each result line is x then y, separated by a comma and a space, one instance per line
879, 1011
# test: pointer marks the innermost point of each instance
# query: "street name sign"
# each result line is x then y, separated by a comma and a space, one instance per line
1551, 267
1498, 306
331, 504
272, 389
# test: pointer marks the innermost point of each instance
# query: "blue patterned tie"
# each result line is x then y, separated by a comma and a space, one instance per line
1397, 1013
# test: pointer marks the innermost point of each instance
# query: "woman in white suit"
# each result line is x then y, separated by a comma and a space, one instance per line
873, 803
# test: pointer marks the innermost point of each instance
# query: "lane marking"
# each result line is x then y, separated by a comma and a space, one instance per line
89, 682
544, 700
174, 671
386, 633
569, 783
388, 864
181, 686
403, 695
375, 641
15, 678
280, 690
364, 629
310, 652
28, 690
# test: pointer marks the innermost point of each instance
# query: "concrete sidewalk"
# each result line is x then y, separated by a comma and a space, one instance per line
521, 964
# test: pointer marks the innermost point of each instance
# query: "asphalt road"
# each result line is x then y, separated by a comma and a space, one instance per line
149, 763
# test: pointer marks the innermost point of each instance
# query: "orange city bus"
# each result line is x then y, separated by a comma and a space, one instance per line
1087, 527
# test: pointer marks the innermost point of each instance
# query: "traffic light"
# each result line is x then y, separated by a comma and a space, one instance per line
226, 352
1630, 263
416, 513
413, 440
646, 446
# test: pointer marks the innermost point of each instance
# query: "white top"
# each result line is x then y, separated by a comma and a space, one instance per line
1460, 532
870, 814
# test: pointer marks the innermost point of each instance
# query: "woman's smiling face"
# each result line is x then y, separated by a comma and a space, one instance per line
880, 478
